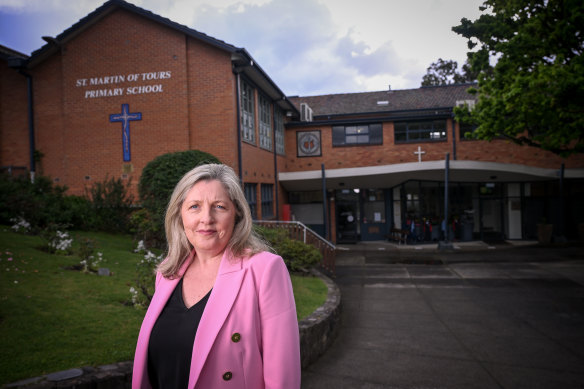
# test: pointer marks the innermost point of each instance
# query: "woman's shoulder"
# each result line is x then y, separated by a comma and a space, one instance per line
263, 259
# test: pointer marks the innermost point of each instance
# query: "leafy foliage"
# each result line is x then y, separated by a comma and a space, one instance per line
159, 177
528, 54
444, 72
43, 204
40, 203
111, 204
297, 255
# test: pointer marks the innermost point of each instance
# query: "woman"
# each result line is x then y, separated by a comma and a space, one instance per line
223, 314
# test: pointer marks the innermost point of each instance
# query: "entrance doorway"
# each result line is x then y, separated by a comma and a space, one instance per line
347, 216
492, 218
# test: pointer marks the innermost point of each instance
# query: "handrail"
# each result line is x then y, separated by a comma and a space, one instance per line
326, 248
303, 226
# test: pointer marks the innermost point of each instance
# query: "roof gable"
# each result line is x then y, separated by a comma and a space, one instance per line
108, 7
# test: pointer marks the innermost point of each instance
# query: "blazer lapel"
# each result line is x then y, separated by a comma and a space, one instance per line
225, 290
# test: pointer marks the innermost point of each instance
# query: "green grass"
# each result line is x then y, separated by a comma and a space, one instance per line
54, 319
309, 293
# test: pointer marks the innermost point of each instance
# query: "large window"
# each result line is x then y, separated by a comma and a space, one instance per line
251, 197
430, 130
247, 113
279, 130
364, 134
267, 201
265, 123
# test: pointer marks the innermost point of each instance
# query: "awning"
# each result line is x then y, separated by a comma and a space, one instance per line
387, 176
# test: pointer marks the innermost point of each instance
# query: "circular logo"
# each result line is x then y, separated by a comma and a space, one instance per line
309, 143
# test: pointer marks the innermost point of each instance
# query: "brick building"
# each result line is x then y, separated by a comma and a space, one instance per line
124, 85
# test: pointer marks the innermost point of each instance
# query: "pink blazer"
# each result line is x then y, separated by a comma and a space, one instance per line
248, 335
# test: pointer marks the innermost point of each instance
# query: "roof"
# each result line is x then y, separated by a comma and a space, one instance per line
239, 56
6, 53
424, 98
111, 5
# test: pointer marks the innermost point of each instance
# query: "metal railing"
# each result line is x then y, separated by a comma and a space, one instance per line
298, 231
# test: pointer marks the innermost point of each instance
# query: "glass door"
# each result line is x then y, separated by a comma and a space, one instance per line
348, 216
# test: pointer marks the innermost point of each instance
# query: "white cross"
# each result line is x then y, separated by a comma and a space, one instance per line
419, 153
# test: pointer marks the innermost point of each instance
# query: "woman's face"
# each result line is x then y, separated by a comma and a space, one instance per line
208, 217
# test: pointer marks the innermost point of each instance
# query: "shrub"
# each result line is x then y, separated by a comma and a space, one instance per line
40, 203
57, 239
79, 213
111, 203
142, 293
297, 255
160, 176
144, 229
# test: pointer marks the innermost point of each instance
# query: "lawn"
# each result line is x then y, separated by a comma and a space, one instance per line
54, 319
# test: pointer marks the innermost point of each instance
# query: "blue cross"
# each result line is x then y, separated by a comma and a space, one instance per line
125, 117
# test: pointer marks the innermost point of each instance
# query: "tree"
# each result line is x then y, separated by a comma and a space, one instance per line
528, 54
445, 73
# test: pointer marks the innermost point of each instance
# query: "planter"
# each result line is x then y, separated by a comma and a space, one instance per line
544, 233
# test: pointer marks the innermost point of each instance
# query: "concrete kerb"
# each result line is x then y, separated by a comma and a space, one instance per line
317, 331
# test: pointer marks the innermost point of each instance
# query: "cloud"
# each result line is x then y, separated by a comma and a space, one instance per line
307, 47
300, 46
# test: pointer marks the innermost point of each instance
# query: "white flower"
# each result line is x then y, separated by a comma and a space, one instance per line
141, 247
20, 224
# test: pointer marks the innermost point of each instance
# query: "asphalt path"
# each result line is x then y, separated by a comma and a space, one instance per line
480, 316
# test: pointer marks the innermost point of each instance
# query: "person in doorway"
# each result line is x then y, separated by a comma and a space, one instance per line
223, 311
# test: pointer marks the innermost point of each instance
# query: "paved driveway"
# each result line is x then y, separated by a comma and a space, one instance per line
475, 318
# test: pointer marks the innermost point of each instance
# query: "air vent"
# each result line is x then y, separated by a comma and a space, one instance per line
469, 103
305, 113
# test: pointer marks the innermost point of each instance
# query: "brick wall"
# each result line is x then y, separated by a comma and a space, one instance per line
191, 104
14, 147
390, 153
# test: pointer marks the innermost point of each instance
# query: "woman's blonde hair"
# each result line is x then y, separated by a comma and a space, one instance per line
243, 242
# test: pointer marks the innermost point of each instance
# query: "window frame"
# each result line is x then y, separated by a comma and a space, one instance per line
279, 133
267, 201
251, 196
265, 122
374, 134
424, 130
247, 113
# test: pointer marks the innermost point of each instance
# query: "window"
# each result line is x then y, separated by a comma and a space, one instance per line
247, 113
430, 130
267, 201
364, 134
251, 197
265, 123
373, 206
279, 129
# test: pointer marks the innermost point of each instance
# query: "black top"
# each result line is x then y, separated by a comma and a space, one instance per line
171, 341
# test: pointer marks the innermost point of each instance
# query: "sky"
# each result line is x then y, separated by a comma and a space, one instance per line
307, 47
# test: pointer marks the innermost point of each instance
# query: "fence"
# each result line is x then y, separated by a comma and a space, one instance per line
298, 231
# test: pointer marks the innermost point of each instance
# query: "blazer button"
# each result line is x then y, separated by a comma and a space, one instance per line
227, 376
236, 337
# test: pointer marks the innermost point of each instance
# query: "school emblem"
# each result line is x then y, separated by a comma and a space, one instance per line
308, 143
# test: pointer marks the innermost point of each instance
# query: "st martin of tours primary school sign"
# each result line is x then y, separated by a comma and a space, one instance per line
110, 86
124, 85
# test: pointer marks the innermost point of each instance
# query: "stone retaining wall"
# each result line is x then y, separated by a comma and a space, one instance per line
317, 332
